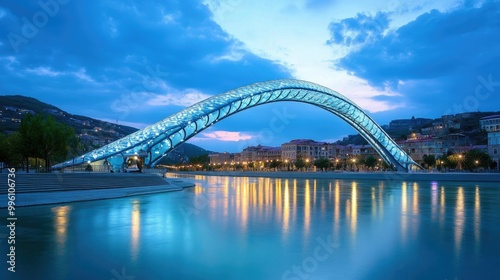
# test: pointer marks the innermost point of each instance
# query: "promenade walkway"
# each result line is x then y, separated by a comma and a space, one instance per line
392, 176
37, 189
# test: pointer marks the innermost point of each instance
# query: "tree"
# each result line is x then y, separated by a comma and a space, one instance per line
449, 160
430, 160
299, 163
370, 161
474, 159
5, 150
43, 137
89, 168
322, 163
275, 164
30, 131
202, 159
9, 154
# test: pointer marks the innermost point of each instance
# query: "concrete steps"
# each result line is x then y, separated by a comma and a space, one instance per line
40, 182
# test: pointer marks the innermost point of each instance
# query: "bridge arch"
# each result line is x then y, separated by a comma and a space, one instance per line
156, 140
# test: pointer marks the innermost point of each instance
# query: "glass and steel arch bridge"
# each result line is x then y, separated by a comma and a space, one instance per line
155, 141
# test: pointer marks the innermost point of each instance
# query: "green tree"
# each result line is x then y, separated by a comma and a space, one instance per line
43, 137
430, 160
300, 163
251, 165
474, 159
30, 131
4, 151
322, 163
13, 144
9, 154
202, 159
451, 160
56, 139
370, 161
275, 164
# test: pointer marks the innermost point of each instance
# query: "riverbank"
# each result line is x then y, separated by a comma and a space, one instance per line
40, 189
428, 176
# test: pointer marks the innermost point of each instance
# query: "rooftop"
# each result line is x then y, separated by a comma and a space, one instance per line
490, 117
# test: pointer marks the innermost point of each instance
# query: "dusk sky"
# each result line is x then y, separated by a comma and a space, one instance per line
137, 62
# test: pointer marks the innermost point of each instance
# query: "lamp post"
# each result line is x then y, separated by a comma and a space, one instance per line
460, 163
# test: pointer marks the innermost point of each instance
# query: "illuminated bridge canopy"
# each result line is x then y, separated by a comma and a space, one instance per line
155, 141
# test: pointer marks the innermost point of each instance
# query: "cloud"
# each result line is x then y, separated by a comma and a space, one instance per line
235, 52
102, 52
221, 135
293, 34
120, 60
43, 71
180, 98
137, 125
361, 29
439, 56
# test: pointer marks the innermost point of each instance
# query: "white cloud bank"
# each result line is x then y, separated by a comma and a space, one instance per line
294, 35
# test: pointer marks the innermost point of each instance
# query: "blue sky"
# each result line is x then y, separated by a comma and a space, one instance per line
137, 62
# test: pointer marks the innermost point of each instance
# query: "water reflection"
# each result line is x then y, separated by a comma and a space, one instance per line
441, 206
434, 200
286, 210
307, 208
381, 199
135, 228
415, 199
374, 203
477, 218
336, 213
296, 206
61, 221
404, 212
354, 209
459, 220
257, 228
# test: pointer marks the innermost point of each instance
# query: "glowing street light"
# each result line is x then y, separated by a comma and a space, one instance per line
460, 162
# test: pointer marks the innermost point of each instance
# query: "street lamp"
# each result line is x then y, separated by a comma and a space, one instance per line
460, 162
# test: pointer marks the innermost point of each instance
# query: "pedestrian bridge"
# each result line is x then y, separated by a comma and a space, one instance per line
155, 141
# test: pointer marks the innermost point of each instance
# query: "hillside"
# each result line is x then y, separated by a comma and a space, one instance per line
92, 133
465, 123
13, 108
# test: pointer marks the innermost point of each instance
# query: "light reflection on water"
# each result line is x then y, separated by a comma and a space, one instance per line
135, 231
61, 216
259, 228
459, 220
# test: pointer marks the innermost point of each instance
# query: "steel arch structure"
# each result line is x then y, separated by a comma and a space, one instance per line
155, 141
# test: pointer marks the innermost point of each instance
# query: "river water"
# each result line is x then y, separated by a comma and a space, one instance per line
261, 228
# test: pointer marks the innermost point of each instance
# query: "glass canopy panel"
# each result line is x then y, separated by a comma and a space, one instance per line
190, 128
